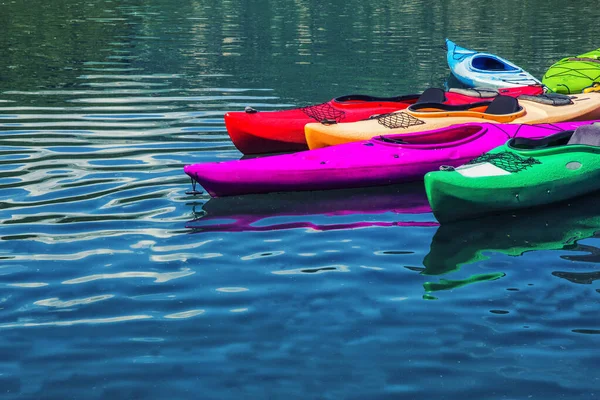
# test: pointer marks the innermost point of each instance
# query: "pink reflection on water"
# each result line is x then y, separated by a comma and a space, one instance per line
246, 213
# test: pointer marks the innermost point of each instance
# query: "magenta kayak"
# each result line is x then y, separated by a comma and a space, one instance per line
382, 160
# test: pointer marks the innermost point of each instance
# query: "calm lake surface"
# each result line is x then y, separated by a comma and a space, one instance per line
117, 284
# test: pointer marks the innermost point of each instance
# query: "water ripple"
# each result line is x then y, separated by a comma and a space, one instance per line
316, 270
185, 314
322, 294
57, 303
232, 289
109, 320
159, 277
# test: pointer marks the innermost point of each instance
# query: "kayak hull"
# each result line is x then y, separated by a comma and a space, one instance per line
478, 69
584, 107
545, 176
278, 131
573, 74
380, 161
281, 131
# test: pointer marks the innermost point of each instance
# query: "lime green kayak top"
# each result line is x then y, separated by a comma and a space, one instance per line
574, 74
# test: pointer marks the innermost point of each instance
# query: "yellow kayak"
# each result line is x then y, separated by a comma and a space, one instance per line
548, 108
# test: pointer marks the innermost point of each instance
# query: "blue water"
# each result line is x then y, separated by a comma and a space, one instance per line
117, 284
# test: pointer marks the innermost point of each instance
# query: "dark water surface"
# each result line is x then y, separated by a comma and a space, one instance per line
116, 284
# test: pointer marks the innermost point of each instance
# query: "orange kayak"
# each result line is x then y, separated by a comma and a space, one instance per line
255, 132
547, 108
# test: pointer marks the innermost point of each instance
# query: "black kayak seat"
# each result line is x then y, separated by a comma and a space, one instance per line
432, 95
588, 135
558, 139
502, 105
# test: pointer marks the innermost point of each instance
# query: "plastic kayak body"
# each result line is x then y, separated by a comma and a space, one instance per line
422, 117
573, 74
256, 132
382, 160
476, 69
519, 174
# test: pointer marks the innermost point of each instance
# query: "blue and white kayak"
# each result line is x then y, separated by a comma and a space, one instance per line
476, 69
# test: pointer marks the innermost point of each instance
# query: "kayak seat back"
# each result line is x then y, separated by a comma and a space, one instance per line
489, 63
502, 105
557, 139
588, 135
432, 95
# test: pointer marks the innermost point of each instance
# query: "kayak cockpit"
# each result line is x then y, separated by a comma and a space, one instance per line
431, 95
442, 137
363, 98
489, 62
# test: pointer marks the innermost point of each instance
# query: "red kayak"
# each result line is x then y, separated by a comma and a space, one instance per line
254, 132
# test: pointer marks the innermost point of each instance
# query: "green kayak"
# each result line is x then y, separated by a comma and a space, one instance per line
520, 174
574, 74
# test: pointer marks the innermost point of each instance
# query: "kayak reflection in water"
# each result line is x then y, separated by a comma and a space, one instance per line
251, 213
557, 227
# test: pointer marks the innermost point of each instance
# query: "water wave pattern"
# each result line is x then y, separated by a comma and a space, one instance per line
117, 284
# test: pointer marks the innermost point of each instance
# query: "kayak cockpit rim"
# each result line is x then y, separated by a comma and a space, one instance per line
435, 95
363, 98
490, 63
444, 137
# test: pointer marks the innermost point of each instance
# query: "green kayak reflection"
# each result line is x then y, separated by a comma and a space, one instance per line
291, 210
548, 228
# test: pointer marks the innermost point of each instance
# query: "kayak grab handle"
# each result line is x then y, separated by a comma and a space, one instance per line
326, 121
250, 110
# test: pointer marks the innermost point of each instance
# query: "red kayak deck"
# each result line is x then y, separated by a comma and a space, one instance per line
254, 132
